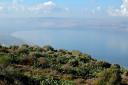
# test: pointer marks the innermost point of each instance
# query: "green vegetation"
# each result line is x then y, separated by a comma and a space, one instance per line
34, 65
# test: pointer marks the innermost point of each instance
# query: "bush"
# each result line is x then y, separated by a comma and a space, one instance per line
67, 77
49, 81
76, 53
48, 48
36, 54
4, 59
27, 60
73, 62
23, 50
67, 82
62, 60
42, 62
110, 76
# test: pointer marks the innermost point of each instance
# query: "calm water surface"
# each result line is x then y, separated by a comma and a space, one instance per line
108, 45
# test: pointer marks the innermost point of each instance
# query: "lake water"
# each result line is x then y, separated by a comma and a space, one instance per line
103, 44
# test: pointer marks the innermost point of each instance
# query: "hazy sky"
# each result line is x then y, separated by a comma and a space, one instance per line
63, 8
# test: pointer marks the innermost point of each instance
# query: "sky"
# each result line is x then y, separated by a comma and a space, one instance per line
63, 8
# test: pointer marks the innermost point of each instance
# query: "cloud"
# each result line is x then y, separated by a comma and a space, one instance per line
12, 7
67, 9
1, 8
47, 7
44, 6
96, 10
18, 8
122, 11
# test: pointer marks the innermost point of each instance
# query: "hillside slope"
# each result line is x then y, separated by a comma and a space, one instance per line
34, 65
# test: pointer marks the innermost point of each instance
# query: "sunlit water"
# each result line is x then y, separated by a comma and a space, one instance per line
108, 45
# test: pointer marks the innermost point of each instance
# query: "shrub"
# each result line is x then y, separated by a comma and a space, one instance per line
63, 51
76, 53
62, 60
14, 59
67, 82
27, 60
42, 62
103, 64
67, 77
66, 67
48, 48
73, 62
49, 81
14, 47
36, 54
79, 81
4, 59
35, 48
23, 50
110, 76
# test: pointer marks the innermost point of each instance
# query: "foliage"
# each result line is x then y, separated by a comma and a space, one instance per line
110, 76
5, 59
34, 65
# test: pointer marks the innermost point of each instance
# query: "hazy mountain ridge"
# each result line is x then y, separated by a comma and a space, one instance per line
9, 40
10, 25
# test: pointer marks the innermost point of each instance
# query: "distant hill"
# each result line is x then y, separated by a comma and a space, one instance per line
9, 40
